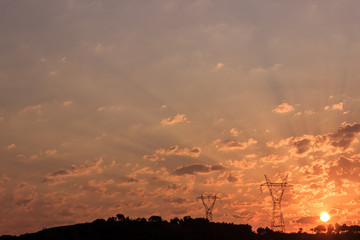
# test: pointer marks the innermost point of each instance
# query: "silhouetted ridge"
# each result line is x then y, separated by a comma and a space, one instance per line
121, 227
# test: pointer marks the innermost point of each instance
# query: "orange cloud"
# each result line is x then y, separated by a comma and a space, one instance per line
230, 145
153, 158
175, 150
178, 118
11, 146
59, 175
283, 108
67, 103
338, 106
50, 152
274, 159
242, 164
331, 143
34, 108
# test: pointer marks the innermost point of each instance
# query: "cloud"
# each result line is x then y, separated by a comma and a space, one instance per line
100, 186
129, 181
194, 152
306, 220
53, 73
114, 108
345, 136
283, 108
338, 106
50, 152
4, 179
153, 158
178, 118
231, 178
34, 108
175, 150
330, 143
230, 145
100, 48
276, 66
197, 168
242, 164
24, 195
58, 175
9, 147
310, 112
261, 70
345, 169
219, 65
274, 159
234, 132
67, 103
177, 200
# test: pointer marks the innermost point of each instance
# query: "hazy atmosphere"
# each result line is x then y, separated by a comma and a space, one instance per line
138, 107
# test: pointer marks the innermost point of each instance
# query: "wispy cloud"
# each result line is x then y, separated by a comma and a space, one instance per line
178, 118
67, 103
59, 175
153, 158
53, 73
33, 108
9, 147
175, 150
229, 145
198, 168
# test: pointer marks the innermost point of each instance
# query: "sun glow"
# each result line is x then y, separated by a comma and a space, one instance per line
324, 216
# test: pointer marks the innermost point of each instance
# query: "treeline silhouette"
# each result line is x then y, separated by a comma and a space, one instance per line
121, 227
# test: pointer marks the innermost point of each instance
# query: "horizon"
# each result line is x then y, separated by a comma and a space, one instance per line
141, 107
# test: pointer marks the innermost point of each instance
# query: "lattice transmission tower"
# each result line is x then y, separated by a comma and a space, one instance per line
208, 201
276, 192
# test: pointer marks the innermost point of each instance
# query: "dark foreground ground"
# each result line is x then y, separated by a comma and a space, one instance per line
155, 228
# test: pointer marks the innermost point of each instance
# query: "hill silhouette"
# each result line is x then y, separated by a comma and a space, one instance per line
121, 227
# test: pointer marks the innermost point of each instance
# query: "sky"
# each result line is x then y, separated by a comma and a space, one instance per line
139, 107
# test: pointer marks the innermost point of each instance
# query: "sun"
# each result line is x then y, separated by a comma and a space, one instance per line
324, 216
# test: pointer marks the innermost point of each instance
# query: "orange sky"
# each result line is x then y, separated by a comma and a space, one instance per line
137, 108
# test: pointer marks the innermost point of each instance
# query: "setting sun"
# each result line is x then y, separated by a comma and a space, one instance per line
324, 216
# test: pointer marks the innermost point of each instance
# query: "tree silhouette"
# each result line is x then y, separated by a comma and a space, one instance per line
155, 219
120, 217
330, 229
175, 220
320, 229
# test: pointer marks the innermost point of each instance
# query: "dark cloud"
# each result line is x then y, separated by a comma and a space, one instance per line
345, 136
231, 179
344, 168
229, 145
306, 220
197, 168
302, 145
178, 200
327, 143
56, 177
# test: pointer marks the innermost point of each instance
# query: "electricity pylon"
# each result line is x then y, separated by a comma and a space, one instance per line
276, 192
209, 204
